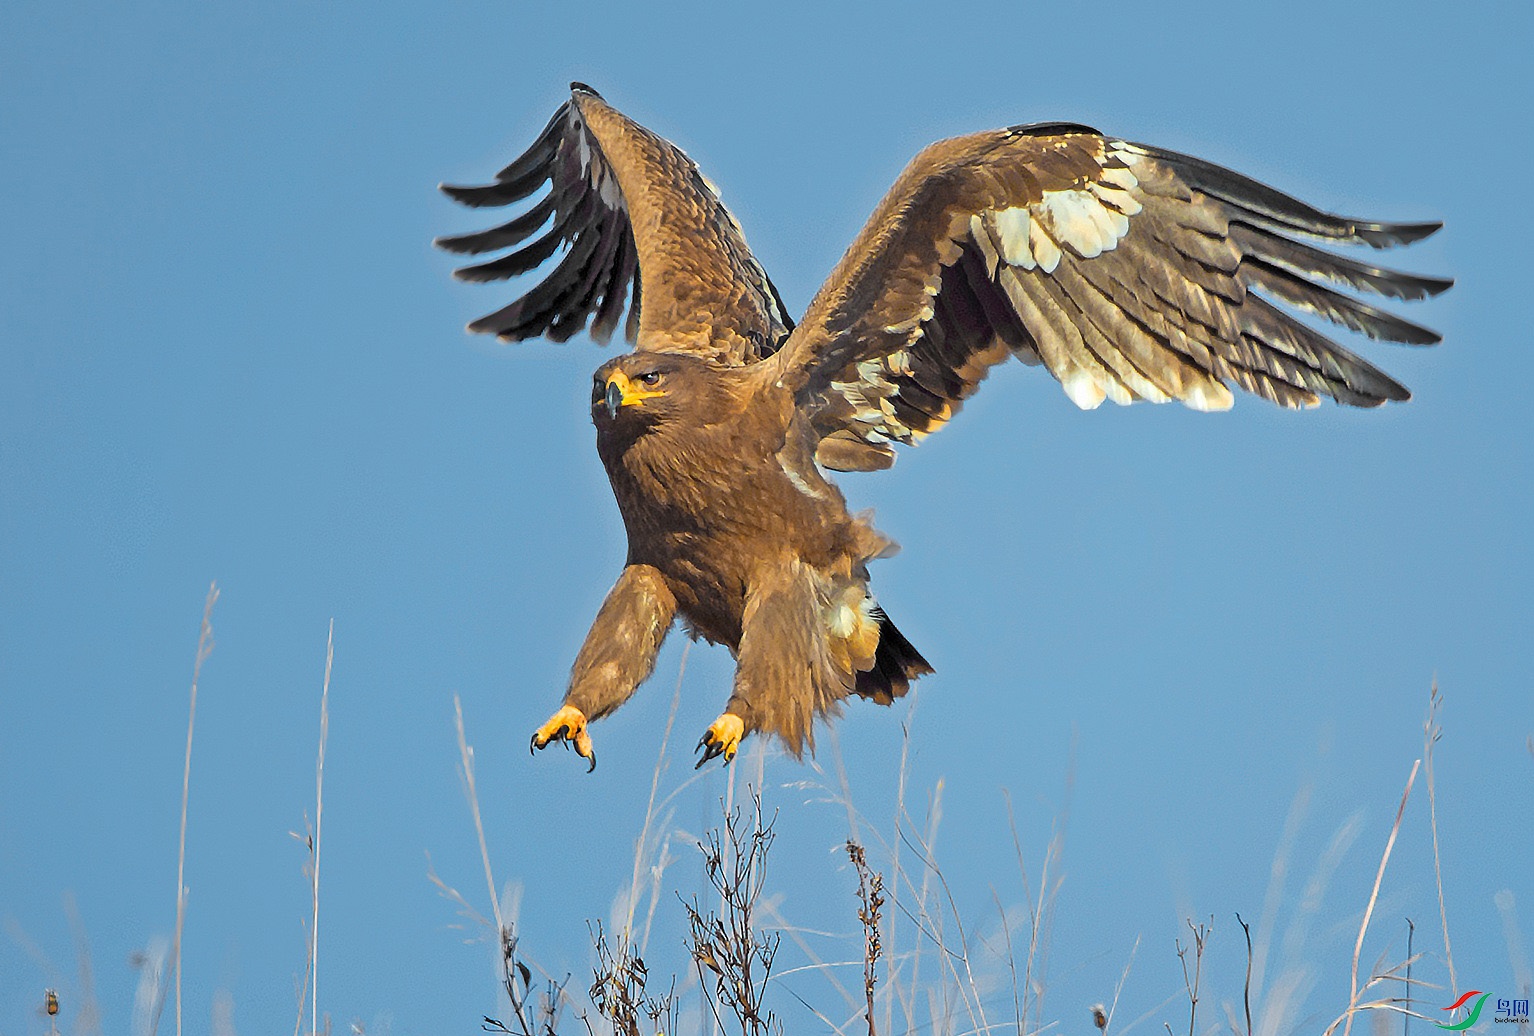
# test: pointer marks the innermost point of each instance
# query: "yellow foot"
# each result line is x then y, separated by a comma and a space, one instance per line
721, 738
567, 725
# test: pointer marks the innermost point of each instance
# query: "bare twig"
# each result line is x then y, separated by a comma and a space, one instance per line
1201, 933
1246, 987
1411, 930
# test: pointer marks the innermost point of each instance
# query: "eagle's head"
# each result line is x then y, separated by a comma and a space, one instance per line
642, 391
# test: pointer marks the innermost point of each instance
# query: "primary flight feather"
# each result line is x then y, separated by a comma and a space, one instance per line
1127, 271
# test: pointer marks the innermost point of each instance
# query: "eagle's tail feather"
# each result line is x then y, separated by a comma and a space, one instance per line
896, 664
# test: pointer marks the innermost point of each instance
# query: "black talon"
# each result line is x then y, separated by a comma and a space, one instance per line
711, 750
533, 745
593, 767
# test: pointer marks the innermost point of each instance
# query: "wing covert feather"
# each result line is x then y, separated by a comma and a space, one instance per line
623, 203
1127, 271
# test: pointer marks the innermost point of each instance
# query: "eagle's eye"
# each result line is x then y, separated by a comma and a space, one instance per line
649, 377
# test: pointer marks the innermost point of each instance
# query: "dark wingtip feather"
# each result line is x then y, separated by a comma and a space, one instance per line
1389, 235
1278, 208
504, 236
478, 196
511, 265
1438, 285
1052, 129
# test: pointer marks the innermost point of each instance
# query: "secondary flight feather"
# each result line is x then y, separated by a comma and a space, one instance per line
1126, 271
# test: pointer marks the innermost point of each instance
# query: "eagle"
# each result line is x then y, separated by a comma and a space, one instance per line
1128, 272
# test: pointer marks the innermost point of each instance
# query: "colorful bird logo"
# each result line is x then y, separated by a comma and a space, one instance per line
1469, 1019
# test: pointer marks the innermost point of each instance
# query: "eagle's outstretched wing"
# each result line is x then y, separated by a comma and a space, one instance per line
1128, 271
631, 208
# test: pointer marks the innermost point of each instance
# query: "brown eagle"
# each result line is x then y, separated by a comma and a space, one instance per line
1126, 271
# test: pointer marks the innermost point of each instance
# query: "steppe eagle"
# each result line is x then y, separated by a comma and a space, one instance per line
1126, 271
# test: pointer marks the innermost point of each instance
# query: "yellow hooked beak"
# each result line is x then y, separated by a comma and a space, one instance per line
623, 391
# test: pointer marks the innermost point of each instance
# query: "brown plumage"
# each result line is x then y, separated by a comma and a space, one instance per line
1128, 272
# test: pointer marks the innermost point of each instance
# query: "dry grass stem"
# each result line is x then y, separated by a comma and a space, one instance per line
816, 962
1006, 931
642, 843
1041, 910
204, 648
87, 1011
1118, 988
1277, 879
466, 760
309, 990
1346, 1020
969, 991
516, 976
1431, 732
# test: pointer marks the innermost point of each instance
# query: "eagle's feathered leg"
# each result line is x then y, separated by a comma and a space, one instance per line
794, 662
618, 655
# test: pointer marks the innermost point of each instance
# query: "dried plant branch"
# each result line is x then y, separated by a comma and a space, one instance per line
618, 989
870, 908
725, 942
1201, 934
1246, 986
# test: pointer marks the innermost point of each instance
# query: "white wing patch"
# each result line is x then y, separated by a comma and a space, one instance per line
598, 173
1088, 220
1084, 221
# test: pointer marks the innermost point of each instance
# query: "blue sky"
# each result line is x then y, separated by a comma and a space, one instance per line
228, 352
